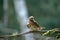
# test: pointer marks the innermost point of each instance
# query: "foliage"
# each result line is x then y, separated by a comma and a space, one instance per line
58, 36
50, 32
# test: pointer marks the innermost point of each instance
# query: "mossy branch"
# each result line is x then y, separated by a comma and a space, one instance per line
21, 34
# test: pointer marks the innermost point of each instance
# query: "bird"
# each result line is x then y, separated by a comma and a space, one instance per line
33, 25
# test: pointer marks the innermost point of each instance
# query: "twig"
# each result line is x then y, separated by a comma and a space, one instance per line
21, 34
18, 35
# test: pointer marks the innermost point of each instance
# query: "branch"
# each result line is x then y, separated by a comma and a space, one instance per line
21, 34
18, 35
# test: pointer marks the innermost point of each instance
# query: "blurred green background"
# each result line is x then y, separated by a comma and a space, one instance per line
46, 13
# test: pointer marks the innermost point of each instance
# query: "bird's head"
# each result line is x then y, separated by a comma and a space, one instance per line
31, 18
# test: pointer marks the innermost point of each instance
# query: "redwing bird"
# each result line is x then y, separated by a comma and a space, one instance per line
33, 25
